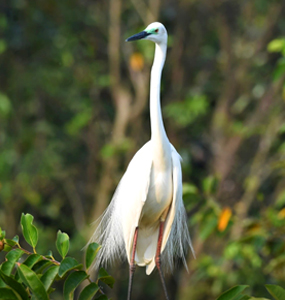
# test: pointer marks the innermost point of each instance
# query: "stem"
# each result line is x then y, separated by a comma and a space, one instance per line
30, 253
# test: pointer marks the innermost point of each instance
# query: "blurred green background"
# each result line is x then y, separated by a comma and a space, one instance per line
74, 110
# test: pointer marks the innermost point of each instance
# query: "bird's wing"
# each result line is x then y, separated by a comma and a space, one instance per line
177, 195
118, 223
176, 238
134, 190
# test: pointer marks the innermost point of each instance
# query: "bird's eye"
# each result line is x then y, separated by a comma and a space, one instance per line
156, 30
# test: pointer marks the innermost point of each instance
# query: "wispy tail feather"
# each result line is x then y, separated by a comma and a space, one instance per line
109, 235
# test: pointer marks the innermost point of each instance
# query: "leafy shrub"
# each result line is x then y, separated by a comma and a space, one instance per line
30, 275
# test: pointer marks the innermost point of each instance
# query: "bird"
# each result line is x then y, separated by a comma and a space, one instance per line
146, 220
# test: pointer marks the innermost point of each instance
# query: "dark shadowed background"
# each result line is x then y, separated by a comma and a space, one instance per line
74, 110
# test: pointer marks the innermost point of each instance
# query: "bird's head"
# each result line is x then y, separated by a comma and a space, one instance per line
155, 32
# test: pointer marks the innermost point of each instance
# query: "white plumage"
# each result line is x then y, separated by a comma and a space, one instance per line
150, 192
130, 207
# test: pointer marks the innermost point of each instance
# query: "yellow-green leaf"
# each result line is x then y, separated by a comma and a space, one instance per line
91, 253
30, 232
62, 243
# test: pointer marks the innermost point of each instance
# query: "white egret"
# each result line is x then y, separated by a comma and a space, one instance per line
146, 217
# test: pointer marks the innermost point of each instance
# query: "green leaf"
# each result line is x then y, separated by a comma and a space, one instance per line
62, 243
49, 276
208, 227
16, 238
277, 45
2, 234
186, 112
30, 232
32, 281
254, 298
7, 248
232, 292
11, 257
242, 297
15, 285
276, 291
91, 253
189, 188
72, 282
68, 264
2, 283
7, 294
5, 104
32, 260
108, 151
14, 255
106, 278
49, 255
89, 291
279, 70
80, 120
210, 185
12, 242
3, 46
102, 297
41, 265
51, 290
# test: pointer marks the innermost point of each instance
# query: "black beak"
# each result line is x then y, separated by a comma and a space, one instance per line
137, 36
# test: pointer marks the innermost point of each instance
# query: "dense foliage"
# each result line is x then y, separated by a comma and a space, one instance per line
74, 110
30, 275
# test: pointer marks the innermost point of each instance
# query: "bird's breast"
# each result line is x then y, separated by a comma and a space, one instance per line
159, 197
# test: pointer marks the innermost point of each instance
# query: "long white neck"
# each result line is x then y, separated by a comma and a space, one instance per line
159, 138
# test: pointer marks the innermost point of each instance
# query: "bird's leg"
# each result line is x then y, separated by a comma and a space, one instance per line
132, 264
157, 257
